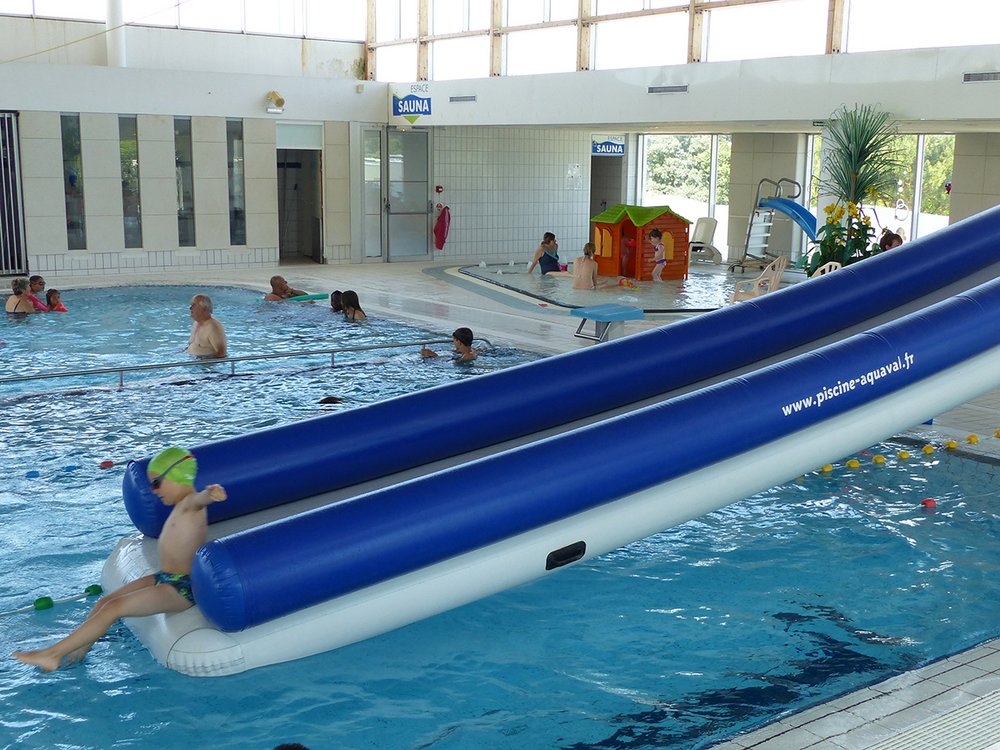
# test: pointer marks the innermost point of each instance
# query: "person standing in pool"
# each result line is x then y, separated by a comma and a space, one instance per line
547, 255
281, 291
171, 476
36, 286
208, 337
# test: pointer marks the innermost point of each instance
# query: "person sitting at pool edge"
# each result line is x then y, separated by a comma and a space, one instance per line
18, 302
461, 340
36, 285
585, 269
281, 291
54, 301
171, 476
352, 306
547, 255
208, 337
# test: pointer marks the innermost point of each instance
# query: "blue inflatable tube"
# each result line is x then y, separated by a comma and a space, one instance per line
797, 213
343, 449
256, 575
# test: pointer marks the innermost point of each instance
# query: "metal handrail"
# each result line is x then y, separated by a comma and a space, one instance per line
223, 360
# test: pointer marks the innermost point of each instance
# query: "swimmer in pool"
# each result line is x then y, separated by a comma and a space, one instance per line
208, 337
281, 291
461, 340
171, 476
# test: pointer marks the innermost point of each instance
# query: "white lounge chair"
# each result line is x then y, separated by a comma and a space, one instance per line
768, 281
825, 269
701, 247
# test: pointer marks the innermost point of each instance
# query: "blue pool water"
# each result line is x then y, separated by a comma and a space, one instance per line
785, 599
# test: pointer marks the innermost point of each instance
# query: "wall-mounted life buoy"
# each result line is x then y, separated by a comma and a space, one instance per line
441, 227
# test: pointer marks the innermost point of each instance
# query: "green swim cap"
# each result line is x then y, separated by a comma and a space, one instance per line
176, 464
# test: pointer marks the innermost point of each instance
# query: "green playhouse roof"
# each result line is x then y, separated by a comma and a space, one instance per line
638, 215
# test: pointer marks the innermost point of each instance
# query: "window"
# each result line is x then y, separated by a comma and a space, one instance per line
76, 223
641, 42
395, 19
83, 10
151, 13
16, 7
524, 12
778, 29
468, 57
327, 20
396, 63
272, 18
237, 183
185, 182
541, 51
218, 15
128, 146
935, 194
451, 16
910, 24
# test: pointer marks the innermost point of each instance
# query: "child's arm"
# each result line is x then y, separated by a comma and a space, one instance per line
213, 493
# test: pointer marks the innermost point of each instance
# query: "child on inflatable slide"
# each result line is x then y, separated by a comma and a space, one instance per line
171, 476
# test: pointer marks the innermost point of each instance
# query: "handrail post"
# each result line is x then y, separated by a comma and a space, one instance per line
332, 355
121, 379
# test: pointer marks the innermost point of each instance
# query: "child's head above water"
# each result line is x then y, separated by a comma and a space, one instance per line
463, 336
52, 297
175, 464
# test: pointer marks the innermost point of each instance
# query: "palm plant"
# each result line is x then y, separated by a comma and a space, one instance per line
862, 160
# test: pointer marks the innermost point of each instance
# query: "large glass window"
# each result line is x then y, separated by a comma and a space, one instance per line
273, 18
641, 42
451, 16
183, 156
541, 51
237, 183
218, 15
396, 19
16, 7
935, 199
779, 29
151, 13
128, 146
84, 10
76, 223
396, 63
524, 12
910, 24
466, 57
328, 20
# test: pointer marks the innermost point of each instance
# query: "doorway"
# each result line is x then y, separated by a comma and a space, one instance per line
396, 204
13, 258
300, 205
607, 182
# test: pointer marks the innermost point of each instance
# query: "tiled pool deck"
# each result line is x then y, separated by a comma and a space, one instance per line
952, 704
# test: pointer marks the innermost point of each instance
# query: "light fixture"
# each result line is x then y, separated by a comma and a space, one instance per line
275, 103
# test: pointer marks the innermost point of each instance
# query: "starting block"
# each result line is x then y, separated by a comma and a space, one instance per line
608, 320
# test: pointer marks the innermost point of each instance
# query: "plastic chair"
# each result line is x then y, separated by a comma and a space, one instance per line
701, 247
768, 281
825, 269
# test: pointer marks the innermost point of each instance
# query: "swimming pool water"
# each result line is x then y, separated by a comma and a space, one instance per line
706, 288
785, 599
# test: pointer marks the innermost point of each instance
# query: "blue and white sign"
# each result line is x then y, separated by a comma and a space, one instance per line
607, 145
411, 106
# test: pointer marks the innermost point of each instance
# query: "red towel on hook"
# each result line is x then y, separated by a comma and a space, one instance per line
441, 227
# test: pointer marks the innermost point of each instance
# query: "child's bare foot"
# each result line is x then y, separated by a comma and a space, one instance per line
40, 659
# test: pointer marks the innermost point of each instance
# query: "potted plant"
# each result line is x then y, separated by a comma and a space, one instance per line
861, 163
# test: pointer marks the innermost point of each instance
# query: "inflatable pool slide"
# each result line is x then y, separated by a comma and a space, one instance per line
346, 526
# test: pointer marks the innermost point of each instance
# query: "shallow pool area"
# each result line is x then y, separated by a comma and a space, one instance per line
786, 599
707, 287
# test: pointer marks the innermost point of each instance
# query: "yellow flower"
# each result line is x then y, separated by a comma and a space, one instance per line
830, 209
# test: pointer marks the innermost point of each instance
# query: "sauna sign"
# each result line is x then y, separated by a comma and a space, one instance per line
412, 106
607, 145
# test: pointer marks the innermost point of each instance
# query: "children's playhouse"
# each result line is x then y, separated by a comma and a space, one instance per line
621, 239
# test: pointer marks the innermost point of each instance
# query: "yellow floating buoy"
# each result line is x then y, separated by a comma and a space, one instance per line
878, 459
996, 434
903, 455
853, 463
972, 439
827, 468
928, 449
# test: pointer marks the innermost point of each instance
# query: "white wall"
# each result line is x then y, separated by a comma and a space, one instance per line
506, 187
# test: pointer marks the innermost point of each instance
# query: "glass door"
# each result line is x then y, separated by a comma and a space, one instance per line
372, 201
407, 202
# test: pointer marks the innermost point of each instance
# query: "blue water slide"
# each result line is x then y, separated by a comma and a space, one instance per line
280, 465
795, 212
259, 574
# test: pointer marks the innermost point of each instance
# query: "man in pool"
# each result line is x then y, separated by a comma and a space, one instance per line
281, 291
171, 476
208, 337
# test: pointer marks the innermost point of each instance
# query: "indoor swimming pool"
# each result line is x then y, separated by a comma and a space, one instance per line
783, 600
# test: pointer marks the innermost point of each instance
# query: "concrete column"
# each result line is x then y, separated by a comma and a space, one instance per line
115, 36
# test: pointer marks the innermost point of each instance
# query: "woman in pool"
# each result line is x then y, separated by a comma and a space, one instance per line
352, 306
54, 300
18, 302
